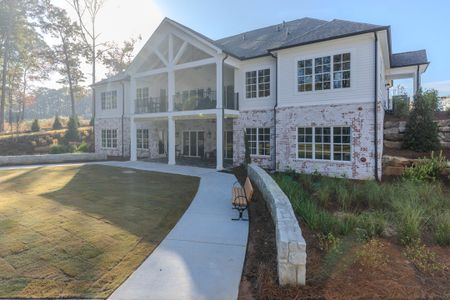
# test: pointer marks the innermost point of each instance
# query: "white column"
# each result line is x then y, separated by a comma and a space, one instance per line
415, 86
219, 140
132, 94
171, 140
219, 82
133, 137
170, 88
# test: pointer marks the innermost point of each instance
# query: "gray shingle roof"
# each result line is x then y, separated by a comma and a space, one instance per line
410, 58
118, 77
302, 31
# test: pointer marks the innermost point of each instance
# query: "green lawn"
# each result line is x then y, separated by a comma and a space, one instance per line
79, 231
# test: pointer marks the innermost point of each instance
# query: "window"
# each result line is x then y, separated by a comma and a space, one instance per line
109, 100
304, 75
250, 84
324, 143
341, 143
341, 71
305, 143
259, 141
264, 83
257, 83
109, 138
142, 138
322, 71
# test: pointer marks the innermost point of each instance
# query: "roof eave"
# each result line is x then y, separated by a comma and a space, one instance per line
331, 38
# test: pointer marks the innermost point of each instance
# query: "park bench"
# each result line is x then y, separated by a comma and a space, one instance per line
241, 197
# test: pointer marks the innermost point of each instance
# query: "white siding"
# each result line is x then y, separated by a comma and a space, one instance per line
239, 79
362, 63
111, 113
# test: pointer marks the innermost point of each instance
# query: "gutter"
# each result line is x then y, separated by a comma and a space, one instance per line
275, 111
123, 116
375, 107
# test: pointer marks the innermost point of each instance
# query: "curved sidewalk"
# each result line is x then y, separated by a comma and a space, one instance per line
203, 256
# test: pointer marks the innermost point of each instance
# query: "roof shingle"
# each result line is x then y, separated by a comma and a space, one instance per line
410, 58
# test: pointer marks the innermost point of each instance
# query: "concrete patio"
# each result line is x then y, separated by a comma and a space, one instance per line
203, 256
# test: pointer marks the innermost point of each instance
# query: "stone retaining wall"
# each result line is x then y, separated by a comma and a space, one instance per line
50, 158
395, 165
291, 246
394, 132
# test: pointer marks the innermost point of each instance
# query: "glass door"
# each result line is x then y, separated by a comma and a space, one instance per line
194, 143
228, 145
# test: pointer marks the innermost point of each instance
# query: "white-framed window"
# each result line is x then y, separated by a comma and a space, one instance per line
142, 93
324, 73
109, 100
305, 75
341, 71
324, 143
257, 83
259, 141
109, 138
142, 138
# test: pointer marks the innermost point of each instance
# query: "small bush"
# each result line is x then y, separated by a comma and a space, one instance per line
92, 121
400, 105
409, 221
328, 242
83, 147
35, 126
441, 224
372, 255
422, 133
72, 134
57, 124
371, 224
426, 169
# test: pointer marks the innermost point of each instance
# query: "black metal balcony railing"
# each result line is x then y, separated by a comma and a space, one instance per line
151, 105
195, 100
231, 100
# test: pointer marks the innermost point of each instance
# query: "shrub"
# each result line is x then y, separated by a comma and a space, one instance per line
400, 105
410, 217
422, 133
447, 110
35, 126
371, 224
441, 224
72, 134
92, 121
426, 169
57, 123
83, 147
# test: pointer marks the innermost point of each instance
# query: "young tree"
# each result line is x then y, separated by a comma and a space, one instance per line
118, 57
35, 126
68, 50
422, 133
57, 123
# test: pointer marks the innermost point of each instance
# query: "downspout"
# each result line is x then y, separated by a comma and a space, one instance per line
223, 109
123, 115
375, 107
275, 112
418, 79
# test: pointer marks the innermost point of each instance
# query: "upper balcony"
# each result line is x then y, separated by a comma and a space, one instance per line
150, 105
198, 99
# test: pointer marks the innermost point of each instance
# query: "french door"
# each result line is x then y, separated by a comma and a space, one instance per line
228, 153
193, 143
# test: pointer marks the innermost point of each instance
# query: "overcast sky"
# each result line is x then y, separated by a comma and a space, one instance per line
414, 24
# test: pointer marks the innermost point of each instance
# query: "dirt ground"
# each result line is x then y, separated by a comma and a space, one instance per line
337, 276
80, 231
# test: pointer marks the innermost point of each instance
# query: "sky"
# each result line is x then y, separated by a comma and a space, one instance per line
414, 24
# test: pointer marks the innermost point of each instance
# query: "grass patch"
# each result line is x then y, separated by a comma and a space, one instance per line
79, 231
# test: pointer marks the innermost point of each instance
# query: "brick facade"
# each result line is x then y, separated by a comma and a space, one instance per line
113, 123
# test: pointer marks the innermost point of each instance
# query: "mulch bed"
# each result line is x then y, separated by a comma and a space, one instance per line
345, 279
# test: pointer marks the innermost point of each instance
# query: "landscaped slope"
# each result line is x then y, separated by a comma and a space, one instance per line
79, 231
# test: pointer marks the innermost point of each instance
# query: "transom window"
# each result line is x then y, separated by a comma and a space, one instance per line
317, 74
305, 75
257, 83
109, 100
259, 141
142, 138
341, 71
324, 143
109, 138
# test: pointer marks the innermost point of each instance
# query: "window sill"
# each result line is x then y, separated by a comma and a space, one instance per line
345, 162
259, 156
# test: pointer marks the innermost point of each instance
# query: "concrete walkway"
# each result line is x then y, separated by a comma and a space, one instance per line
203, 256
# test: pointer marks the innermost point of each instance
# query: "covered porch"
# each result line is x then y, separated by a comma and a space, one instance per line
202, 139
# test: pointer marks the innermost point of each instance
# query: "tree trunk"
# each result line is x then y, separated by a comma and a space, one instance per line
24, 96
69, 76
4, 72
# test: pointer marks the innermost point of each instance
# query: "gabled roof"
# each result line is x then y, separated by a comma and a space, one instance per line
118, 77
411, 58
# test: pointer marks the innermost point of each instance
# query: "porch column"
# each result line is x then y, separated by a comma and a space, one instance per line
219, 140
171, 140
416, 80
133, 137
219, 82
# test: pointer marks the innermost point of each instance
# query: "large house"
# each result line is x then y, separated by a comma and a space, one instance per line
309, 95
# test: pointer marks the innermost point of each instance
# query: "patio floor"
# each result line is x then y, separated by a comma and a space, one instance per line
193, 162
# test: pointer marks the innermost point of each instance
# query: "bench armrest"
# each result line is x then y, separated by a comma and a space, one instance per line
236, 183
